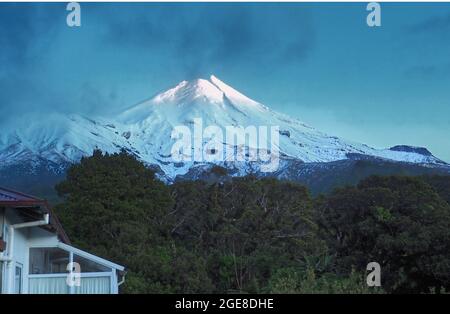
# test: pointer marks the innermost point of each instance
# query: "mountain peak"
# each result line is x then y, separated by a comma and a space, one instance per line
189, 91
199, 92
231, 93
146, 131
212, 89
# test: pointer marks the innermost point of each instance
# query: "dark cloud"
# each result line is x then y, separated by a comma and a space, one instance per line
428, 72
20, 54
26, 32
433, 24
45, 65
204, 37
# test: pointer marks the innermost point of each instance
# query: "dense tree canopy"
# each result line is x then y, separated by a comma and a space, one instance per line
246, 228
399, 222
115, 207
257, 235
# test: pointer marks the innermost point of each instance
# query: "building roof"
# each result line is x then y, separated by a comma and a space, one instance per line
18, 200
13, 198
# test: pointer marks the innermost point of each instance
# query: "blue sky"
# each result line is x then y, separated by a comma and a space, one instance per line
318, 62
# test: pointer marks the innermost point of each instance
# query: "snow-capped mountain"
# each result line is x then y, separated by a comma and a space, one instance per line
145, 130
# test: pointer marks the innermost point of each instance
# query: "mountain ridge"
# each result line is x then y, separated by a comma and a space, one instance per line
145, 130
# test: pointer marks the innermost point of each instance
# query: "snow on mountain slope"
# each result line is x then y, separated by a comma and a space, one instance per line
219, 104
145, 130
56, 137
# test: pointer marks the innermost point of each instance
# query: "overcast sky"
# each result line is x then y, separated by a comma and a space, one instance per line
320, 63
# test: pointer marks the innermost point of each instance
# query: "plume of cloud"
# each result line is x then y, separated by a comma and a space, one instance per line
432, 24
46, 66
203, 37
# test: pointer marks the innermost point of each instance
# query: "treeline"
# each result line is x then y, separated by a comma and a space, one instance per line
252, 235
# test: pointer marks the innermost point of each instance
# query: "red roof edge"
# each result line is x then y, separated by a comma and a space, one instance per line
34, 201
22, 194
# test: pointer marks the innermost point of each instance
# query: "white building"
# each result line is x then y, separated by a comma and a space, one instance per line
36, 255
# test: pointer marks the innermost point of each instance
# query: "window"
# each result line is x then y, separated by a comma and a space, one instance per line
18, 279
56, 260
88, 266
48, 261
1, 276
48, 271
5, 238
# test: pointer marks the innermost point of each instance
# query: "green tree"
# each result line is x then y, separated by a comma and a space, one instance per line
399, 222
116, 208
441, 184
246, 228
294, 281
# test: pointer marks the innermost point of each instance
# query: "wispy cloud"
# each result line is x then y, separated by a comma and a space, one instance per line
439, 23
428, 72
47, 66
200, 37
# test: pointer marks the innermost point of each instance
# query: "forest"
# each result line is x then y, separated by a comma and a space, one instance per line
258, 235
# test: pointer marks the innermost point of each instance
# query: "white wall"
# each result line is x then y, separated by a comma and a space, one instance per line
24, 238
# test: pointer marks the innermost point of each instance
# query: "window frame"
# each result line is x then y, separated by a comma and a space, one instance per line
17, 266
111, 273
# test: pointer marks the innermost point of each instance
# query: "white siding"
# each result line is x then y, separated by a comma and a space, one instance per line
24, 238
36, 237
